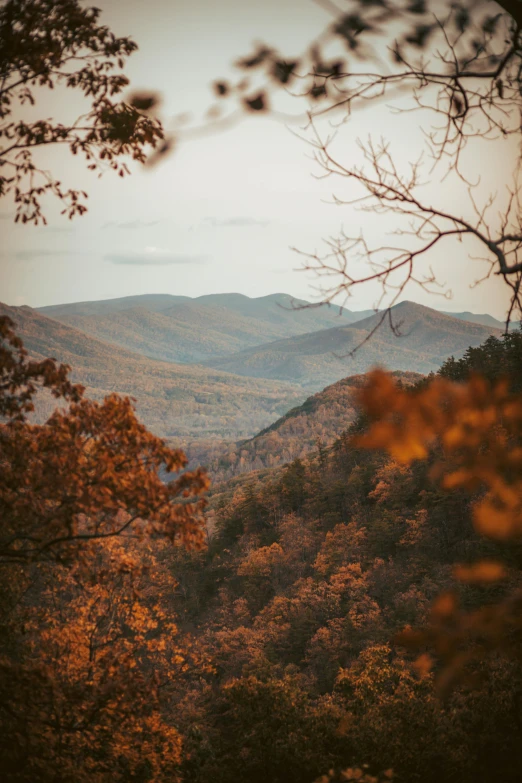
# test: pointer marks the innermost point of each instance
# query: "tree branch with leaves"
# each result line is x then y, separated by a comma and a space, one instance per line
58, 44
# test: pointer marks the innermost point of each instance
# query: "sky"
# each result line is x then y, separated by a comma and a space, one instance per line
222, 212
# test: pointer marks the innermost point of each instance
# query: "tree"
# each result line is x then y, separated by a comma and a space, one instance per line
88, 650
475, 429
460, 62
91, 472
47, 44
87, 696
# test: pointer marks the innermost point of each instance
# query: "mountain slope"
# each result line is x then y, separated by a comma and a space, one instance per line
153, 302
179, 329
317, 422
173, 400
320, 358
188, 332
297, 315
483, 318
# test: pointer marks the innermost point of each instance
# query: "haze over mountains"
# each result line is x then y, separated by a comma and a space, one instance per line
225, 366
180, 329
172, 400
427, 337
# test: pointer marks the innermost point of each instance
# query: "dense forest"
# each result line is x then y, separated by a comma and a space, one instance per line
311, 571
269, 652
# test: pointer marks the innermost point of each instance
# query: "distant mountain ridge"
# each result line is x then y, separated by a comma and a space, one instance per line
320, 358
182, 401
152, 302
482, 318
181, 329
216, 367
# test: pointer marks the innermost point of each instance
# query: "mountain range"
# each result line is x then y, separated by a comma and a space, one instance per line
225, 366
483, 318
173, 400
180, 329
419, 341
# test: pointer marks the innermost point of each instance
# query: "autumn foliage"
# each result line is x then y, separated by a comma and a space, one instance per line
90, 472
89, 649
354, 615
477, 427
357, 607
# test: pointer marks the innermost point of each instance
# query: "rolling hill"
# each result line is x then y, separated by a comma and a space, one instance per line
172, 400
483, 318
317, 422
179, 329
153, 302
319, 358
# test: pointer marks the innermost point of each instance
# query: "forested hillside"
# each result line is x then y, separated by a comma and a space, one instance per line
420, 340
180, 329
311, 571
314, 425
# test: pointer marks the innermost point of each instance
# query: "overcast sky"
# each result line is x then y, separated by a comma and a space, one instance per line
221, 213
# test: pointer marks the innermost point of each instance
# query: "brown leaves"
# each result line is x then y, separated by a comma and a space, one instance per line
482, 572
20, 378
81, 499
97, 660
58, 42
478, 428
91, 472
257, 103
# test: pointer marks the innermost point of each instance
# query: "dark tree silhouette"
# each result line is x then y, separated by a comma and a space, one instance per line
58, 43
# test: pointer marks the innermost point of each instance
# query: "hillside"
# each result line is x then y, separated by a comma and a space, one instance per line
316, 423
172, 400
427, 338
311, 570
189, 332
285, 310
179, 329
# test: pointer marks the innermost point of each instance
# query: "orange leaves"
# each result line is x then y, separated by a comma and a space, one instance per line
98, 641
496, 522
444, 606
478, 427
483, 572
108, 659
404, 430
70, 481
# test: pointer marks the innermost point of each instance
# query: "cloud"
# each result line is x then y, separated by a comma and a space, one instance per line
236, 222
130, 224
153, 256
28, 255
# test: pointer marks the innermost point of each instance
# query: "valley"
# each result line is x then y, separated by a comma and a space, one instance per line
173, 400
228, 378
